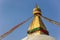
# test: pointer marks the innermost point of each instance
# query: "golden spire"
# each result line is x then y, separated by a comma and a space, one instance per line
37, 27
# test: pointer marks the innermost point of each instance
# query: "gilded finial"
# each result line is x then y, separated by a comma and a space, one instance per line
36, 10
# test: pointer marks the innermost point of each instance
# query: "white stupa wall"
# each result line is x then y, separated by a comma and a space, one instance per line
38, 37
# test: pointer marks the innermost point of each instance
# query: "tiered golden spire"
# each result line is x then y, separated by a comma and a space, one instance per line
37, 27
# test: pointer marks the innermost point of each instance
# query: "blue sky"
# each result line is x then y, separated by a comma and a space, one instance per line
13, 12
